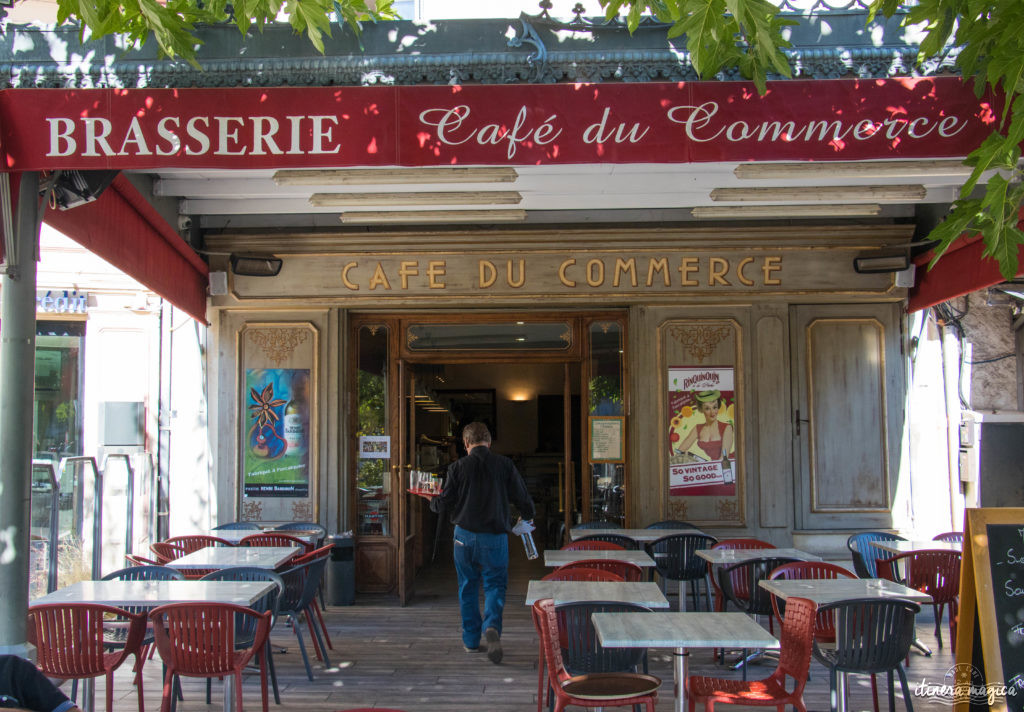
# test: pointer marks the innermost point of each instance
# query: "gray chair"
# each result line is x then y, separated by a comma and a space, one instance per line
244, 526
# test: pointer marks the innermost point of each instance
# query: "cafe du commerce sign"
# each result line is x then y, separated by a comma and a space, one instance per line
287, 127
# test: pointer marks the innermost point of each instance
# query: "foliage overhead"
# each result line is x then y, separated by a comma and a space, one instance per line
747, 34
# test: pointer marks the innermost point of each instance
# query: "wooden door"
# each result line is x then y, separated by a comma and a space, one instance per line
848, 379
407, 529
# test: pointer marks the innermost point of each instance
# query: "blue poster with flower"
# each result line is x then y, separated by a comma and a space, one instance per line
277, 437
702, 431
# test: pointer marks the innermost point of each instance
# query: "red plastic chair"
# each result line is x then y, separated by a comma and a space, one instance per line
70, 642
608, 689
136, 560
195, 542
277, 539
935, 572
738, 584
796, 642
166, 551
198, 640
628, 571
824, 625
593, 545
571, 572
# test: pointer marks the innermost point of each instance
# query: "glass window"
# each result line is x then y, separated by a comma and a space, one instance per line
507, 336
57, 426
605, 397
373, 485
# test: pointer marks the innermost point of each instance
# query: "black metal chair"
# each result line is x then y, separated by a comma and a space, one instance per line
675, 560
624, 541
865, 554
246, 627
671, 524
873, 635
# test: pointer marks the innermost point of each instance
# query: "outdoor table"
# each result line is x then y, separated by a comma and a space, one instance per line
150, 594
681, 631
222, 557
823, 591
309, 536
561, 557
639, 535
902, 547
722, 557
644, 593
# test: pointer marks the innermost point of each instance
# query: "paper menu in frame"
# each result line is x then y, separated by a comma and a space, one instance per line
374, 447
607, 436
702, 431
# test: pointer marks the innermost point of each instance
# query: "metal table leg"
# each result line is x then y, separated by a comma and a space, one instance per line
681, 668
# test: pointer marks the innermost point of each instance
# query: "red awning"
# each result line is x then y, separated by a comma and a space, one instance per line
960, 271
124, 229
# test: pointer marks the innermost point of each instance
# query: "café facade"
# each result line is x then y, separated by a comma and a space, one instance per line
591, 239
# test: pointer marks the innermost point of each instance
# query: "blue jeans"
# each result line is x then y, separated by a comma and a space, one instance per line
480, 557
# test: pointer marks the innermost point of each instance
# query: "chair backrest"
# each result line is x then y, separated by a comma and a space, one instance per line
581, 651
195, 542
166, 551
750, 598
275, 539
545, 620
674, 555
322, 552
145, 573
305, 526
743, 544
934, 572
624, 569
598, 525
951, 537
624, 541
301, 583
796, 643
242, 526
136, 560
200, 638
572, 572
872, 634
69, 638
671, 524
864, 553
267, 602
823, 629
592, 545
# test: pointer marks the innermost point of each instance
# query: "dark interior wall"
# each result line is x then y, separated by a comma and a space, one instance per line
1001, 468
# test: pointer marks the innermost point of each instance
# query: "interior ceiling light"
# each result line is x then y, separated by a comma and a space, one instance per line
850, 169
783, 211
476, 197
818, 193
374, 217
396, 176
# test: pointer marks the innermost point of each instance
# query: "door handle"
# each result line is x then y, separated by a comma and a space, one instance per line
798, 420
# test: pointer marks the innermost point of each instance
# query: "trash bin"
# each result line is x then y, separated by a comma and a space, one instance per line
341, 571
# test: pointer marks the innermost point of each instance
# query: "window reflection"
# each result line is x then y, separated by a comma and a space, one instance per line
373, 486
605, 396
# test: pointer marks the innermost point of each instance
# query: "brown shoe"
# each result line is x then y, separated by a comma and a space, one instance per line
494, 651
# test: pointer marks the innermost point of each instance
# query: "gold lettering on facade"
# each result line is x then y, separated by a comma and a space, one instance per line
406, 270
561, 273
771, 264
435, 269
717, 269
512, 282
488, 274
739, 272
595, 273
622, 267
686, 266
661, 265
344, 276
379, 279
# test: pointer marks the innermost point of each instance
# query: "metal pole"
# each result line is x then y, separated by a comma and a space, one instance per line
17, 381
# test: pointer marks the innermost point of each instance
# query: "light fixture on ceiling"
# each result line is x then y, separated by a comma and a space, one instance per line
255, 265
785, 211
476, 197
818, 193
854, 169
895, 261
396, 176
378, 217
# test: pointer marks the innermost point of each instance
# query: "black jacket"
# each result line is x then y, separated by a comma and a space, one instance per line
478, 491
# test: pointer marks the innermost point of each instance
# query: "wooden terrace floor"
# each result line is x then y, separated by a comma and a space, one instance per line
412, 659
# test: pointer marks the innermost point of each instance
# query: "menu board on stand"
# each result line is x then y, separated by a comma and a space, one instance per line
989, 670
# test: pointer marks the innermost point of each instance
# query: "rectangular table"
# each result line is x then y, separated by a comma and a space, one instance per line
222, 557
150, 594
561, 557
644, 593
640, 535
680, 631
719, 557
823, 591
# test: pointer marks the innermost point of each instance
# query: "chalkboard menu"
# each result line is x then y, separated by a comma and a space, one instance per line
990, 635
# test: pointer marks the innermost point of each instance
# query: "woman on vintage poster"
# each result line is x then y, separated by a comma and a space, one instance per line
702, 432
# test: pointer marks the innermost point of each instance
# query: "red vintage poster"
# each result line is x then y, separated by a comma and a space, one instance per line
702, 431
